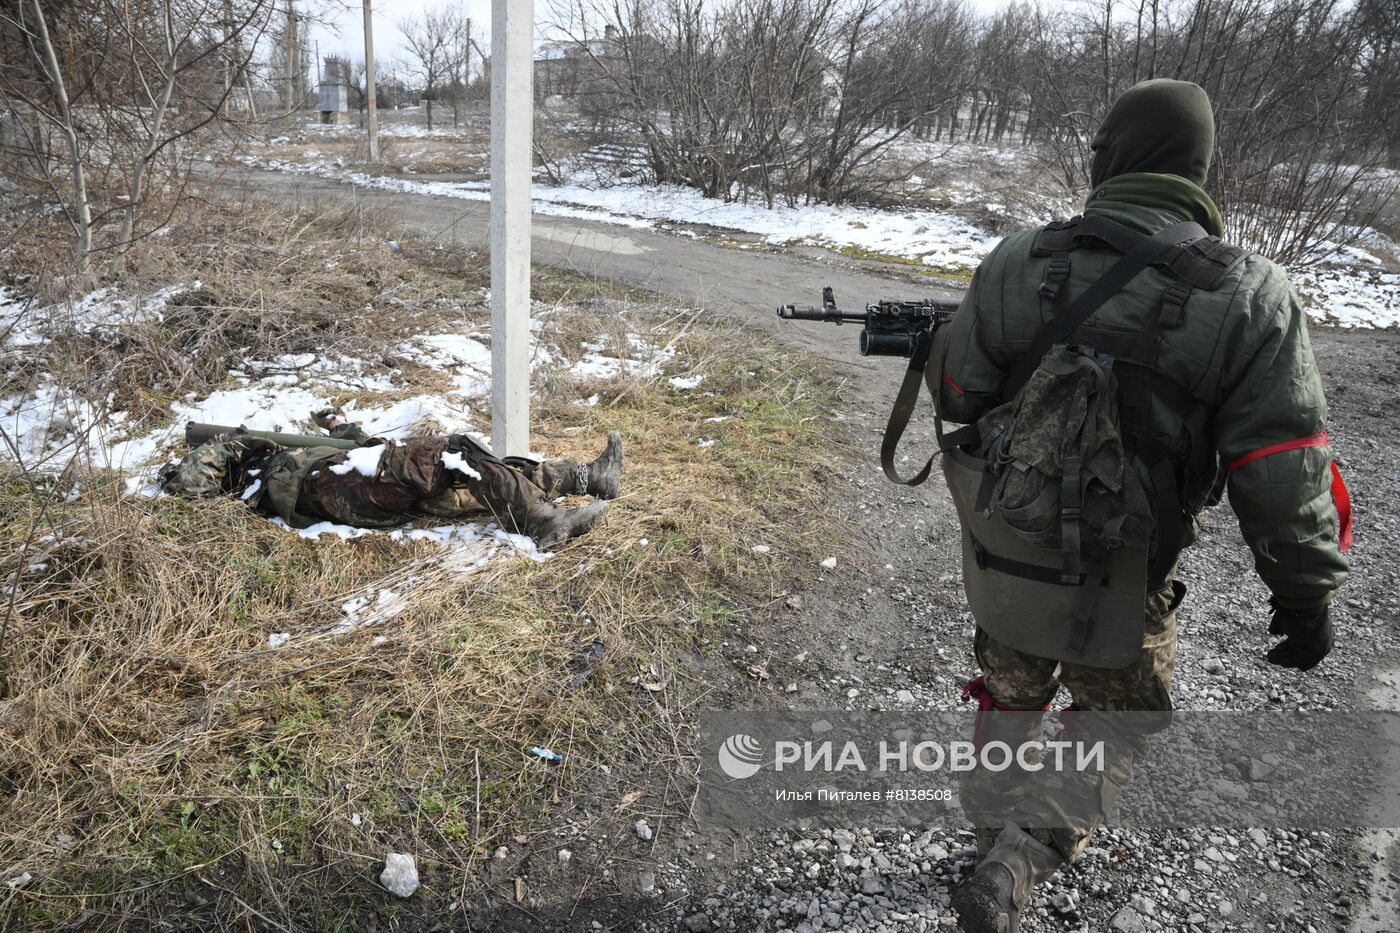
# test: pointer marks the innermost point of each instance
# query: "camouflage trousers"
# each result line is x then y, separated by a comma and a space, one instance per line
1062, 810
557, 476
442, 477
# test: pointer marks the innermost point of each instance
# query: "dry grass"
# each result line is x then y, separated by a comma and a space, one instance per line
462, 151
159, 760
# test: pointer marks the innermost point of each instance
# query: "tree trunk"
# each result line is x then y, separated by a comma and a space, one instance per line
82, 213
136, 187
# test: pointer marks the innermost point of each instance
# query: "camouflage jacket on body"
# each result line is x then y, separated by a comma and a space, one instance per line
1242, 350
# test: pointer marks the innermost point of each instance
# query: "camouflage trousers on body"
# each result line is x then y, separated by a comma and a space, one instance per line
418, 477
557, 476
1063, 809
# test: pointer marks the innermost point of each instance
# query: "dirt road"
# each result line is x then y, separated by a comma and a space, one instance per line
746, 283
887, 629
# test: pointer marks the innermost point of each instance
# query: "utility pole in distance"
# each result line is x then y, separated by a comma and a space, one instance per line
291, 60
512, 157
371, 97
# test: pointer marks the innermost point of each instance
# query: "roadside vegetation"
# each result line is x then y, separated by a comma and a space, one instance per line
159, 758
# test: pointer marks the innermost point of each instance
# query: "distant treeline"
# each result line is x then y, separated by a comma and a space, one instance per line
799, 100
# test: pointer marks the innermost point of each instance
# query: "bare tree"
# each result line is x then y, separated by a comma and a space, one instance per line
121, 82
56, 109
433, 45
801, 100
792, 100
458, 68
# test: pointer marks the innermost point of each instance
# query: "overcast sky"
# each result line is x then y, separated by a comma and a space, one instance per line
342, 32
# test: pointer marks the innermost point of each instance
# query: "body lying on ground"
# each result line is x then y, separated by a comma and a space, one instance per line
382, 483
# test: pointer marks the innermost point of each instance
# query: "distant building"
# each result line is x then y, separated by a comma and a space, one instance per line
335, 90
578, 71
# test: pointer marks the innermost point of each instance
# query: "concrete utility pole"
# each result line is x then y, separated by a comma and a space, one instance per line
371, 111
512, 157
291, 59
467, 65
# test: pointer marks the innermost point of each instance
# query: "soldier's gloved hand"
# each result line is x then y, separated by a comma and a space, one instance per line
1307, 637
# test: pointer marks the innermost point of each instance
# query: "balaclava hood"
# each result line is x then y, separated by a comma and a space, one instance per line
1161, 126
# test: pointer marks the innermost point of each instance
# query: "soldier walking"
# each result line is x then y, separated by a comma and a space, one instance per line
1115, 374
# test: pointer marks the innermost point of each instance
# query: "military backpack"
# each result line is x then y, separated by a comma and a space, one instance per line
1071, 510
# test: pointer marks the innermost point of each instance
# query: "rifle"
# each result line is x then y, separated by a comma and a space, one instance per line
892, 328
196, 434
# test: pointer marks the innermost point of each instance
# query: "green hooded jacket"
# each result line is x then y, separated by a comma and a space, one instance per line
1242, 350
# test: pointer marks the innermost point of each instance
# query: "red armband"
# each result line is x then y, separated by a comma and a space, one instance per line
1317, 440
1341, 498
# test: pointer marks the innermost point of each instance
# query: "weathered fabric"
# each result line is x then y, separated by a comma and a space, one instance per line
1241, 349
412, 478
1064, 810
282, 479
1164, 192
1023, 681
1066, 414
558, 476
226, 464
1161, 126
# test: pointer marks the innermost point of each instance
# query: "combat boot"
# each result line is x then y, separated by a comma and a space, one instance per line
603, 477
991, 900
550, 525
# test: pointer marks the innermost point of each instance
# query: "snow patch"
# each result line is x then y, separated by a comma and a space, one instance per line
454, 461
363, 460
933, 237
1351, 297
370, 608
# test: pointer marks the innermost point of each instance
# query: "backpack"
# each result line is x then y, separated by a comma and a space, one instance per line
1057, 472
1070, 510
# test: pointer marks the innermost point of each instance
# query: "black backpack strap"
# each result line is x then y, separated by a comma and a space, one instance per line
1206, 262
1119, 236
1056, 236
1087, 231
1142, 255
1056, 275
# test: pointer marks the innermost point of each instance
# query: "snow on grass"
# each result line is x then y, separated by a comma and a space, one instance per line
46, 425
464, 548
932, 237
1352, 290
1351, 297
370, 608
24, 325
466, 358
1351, 286
390, 129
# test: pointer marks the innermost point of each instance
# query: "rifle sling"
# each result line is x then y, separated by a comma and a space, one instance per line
904, 402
